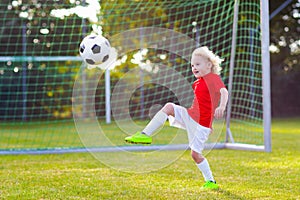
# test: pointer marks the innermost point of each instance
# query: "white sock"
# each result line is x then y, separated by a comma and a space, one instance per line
157, 121
205, 169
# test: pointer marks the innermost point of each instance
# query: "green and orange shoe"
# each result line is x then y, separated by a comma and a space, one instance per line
210, 185
139, 138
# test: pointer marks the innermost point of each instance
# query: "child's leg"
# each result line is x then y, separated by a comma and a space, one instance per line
203, 166
159, 119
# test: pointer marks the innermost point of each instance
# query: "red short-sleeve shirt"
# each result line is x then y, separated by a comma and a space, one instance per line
206, 98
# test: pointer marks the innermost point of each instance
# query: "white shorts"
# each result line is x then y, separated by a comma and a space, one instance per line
197, 134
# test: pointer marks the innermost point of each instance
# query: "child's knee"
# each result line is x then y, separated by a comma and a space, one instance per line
197, 157
168, 109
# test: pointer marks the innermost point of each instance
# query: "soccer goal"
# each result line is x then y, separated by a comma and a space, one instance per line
52, 103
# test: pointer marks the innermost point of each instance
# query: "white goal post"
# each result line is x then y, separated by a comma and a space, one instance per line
264, 27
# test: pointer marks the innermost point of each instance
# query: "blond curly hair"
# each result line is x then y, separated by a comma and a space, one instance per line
213, 58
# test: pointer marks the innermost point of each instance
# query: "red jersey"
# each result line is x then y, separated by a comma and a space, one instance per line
206, 99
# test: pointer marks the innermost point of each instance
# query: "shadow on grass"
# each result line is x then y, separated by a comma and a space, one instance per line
230, 195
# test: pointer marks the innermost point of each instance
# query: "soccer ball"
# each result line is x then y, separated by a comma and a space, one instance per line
94, 49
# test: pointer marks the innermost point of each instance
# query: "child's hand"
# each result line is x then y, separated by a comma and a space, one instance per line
219, 112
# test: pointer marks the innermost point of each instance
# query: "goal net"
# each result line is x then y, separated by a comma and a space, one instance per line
51, 101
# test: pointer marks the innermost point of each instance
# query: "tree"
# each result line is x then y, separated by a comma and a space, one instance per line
285, 58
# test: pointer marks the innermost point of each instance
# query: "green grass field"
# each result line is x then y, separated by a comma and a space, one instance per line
240, 174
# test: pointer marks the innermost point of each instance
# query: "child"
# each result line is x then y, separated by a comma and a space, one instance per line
210, 99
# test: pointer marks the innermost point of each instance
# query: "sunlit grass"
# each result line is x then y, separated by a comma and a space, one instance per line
240, 174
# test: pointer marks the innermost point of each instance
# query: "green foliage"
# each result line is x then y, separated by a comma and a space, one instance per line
285, 64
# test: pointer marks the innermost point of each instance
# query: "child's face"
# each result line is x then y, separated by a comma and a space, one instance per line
200, 66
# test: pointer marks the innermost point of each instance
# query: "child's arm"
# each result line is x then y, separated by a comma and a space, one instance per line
219, 112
